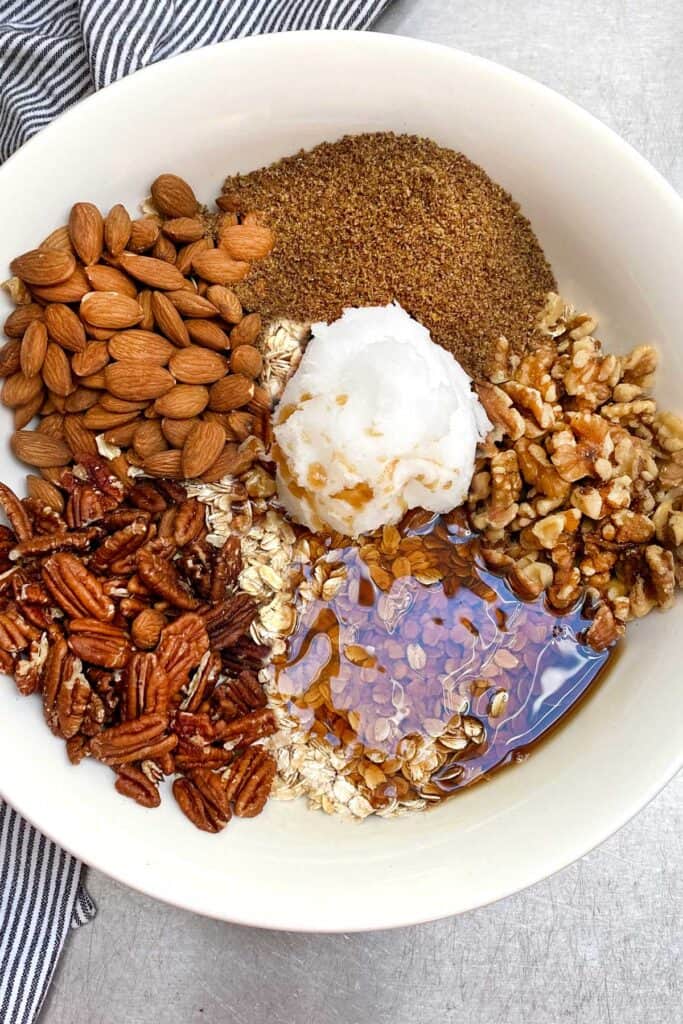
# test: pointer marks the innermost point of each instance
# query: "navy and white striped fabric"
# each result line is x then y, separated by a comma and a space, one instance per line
40, 899
52, 53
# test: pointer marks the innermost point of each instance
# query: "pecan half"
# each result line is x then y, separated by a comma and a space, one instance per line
132, 782
119, 546
196, 562
75, 589
44, 544
66, 691
146, 686
181, 647
161, 577
99, 642
203, 681
246, 730
203, 799
250, 780
145, 738
15, 512
189, 755
84, 505
144, 495
189, 522
15, 633
28, 671
226, 569
239, 696
230, 620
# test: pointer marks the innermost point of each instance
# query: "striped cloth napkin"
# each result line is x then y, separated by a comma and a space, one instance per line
52, 53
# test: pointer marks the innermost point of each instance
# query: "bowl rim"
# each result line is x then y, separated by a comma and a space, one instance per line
145, 880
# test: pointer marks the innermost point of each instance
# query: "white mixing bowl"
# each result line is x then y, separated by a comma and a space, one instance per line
614, 232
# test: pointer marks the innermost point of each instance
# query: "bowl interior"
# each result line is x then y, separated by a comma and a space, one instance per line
613, 231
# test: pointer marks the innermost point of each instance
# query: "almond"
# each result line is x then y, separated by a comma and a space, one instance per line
173, 196
223, 419
189, 303
260, 403
53, 424
55, 403
164, 249
33, 348
98, 333
81, 399
44, 266
247, 360
117, 226
71, 290
122, 435
240, 424
149, 439
52, 473
176, 431
137, 380
80, 440
183, 401
201, 449
86, 230
187, 253
94, 380
208, 334
108, 279
10, 357
165, 464
143, 234
155, 273
231, 393
44, 492
226, 302
120, 467
110, 309
58, 239
216, 267
246, 241
113, 404
23, 414
230, 462
169, 321
246, 332
145, 300
19, 389
195, 365
39, 449
19, 319
145, 346
57, 370
98, 419
64, 327
94, 357
184, 229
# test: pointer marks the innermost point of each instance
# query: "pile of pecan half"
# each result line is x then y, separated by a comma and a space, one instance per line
128, 623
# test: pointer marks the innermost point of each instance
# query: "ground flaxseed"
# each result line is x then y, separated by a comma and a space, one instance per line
380, 217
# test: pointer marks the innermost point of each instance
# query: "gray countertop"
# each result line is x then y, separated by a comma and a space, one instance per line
600, 943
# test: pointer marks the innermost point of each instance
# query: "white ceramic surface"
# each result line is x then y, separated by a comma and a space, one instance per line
614, 232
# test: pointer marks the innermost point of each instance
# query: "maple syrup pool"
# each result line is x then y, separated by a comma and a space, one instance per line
370, 668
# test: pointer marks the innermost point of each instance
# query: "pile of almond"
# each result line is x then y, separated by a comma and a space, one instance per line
126, 335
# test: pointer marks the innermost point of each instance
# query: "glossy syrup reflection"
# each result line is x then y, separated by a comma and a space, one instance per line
367, 669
